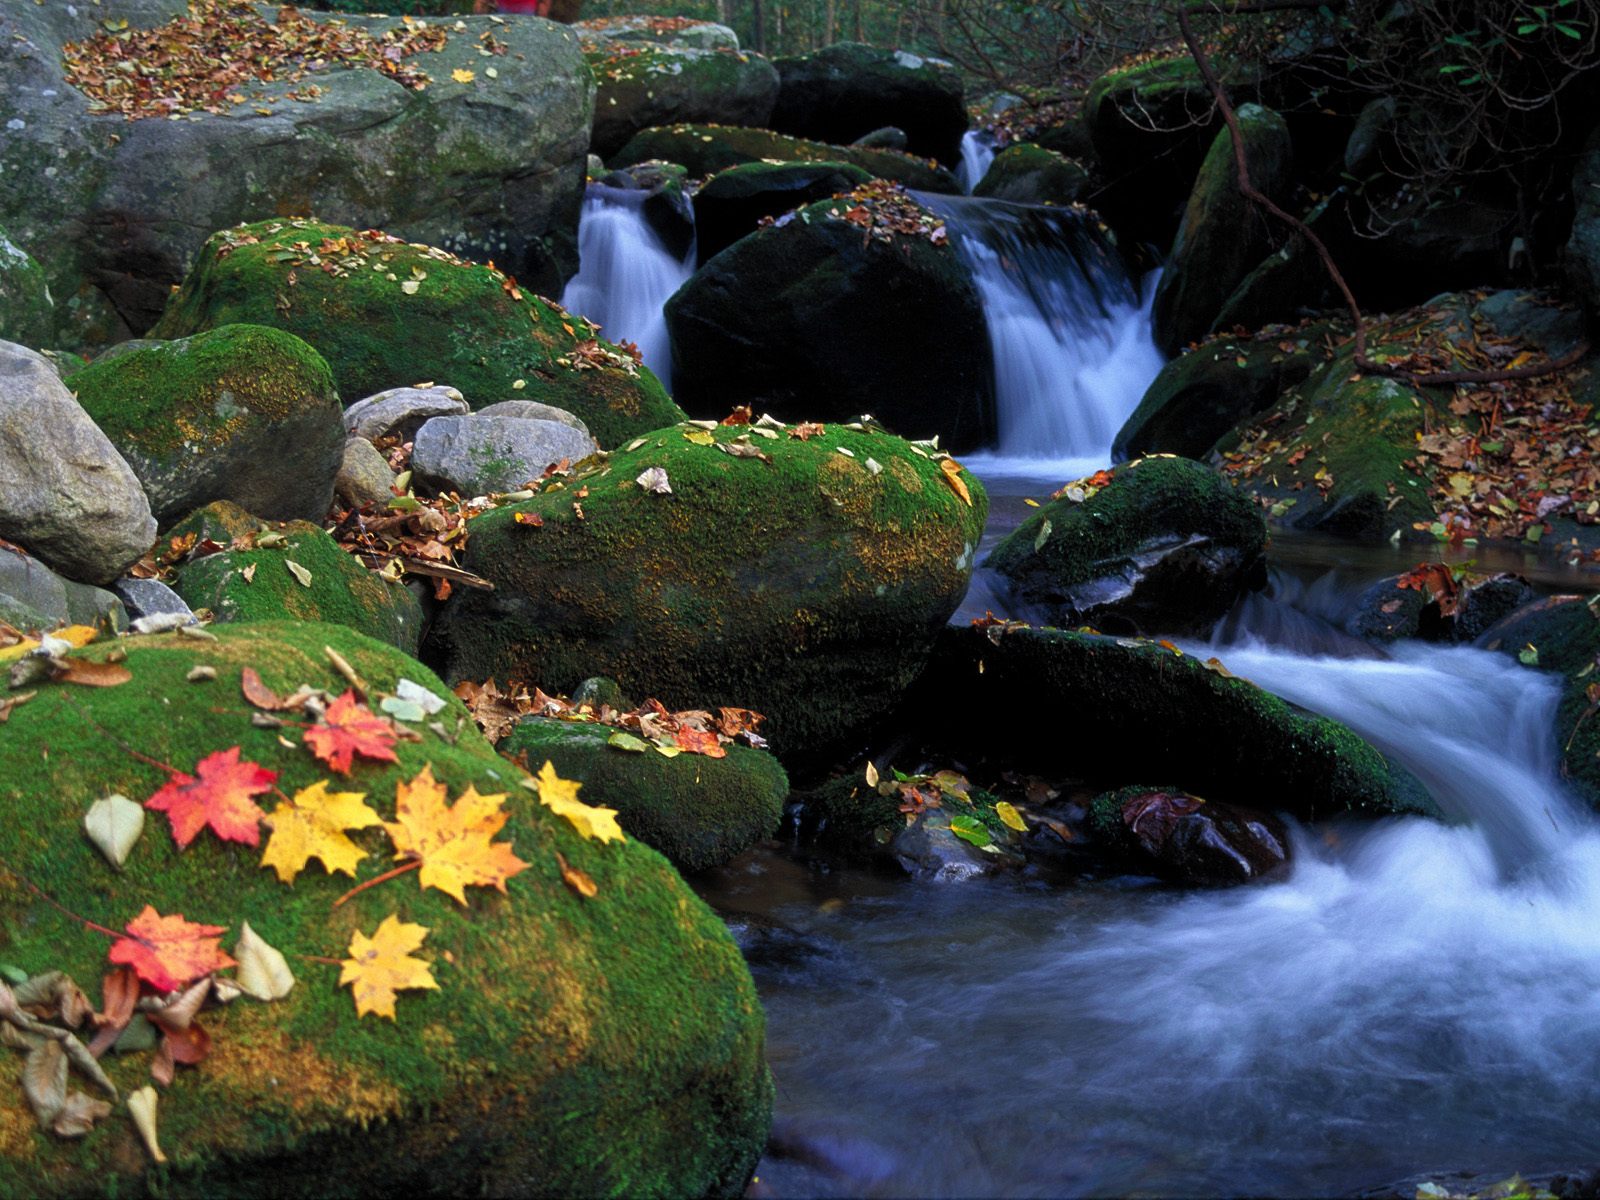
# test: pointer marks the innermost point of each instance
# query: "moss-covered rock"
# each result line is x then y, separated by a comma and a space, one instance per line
668, 31
1159, 544
855, 820
1187, 838
847, 90
698, 811
244, 413
390, 314
1028, 174
1095, 707
811, 320
707, 149
1223, 235
27, 311
808, 588
341, 591
574, 1046
732, 203
643, 85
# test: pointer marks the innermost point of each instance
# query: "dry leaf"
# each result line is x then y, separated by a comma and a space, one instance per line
142, 1108
382, 965
168, 952
301, 575
263, 971
114, 824
454, 844
579, 881
561, 797
217, 795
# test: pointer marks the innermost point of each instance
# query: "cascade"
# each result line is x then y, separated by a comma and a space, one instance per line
977, 153
626, 274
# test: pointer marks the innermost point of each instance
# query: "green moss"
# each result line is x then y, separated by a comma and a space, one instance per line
27, 311
847, 816
698, 811
610, 1046
1027, 174
342, 590
462, 324
707, 149
808, 588
221, 521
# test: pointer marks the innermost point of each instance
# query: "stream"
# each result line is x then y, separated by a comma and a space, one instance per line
1410, 997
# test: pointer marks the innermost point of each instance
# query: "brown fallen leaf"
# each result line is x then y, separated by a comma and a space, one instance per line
952, 476
579, 881
86, 673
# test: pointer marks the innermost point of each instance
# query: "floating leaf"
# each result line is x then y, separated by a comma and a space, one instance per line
561, 797
312, 825
263, 971
168, 952
218, 795
381, 965
1008, 814
454, 844
114, 824
301, 575
350, 728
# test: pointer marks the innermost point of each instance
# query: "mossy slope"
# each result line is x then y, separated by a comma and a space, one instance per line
610, 1046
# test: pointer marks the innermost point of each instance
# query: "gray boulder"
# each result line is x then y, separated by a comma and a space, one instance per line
475, 455
532, 410
695, 35
69, 496
33, 597
402, 410
115, 210
365, 476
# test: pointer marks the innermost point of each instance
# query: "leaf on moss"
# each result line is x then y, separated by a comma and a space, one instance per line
381, 965
350, 728
454, 844
263, 971
561, 797
168, 952
312, 824
217, 795
952, 476
114, 824
581, 882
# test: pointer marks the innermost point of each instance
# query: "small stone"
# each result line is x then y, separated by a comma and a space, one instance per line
148, 597
475, 455
401, 410
364, 476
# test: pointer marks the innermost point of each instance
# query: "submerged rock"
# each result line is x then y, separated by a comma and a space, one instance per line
808, 587
698, 811
1156, 545
1189, 839
421, 315
241, 412
575, 1046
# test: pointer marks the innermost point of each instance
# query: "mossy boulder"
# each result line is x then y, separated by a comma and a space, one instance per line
341, 591
643, 85
732, 203
1162, 544
1184, 837
707, 149
847, 90
1199, 396
854, 820
1028, 174
808, 588
668, 31
698, 811
27, 310
244, 413
811, 320
1224, 235
390, 314
1090, 706
611, 1045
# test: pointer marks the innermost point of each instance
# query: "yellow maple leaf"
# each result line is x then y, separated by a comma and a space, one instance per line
462, 76
456, 845
312, 825
381, 965
560, 796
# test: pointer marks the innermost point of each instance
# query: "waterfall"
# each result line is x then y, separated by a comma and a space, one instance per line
978, 149
626, 274
1070, 330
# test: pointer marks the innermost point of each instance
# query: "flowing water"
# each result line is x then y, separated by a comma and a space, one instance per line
977, 153
626, 274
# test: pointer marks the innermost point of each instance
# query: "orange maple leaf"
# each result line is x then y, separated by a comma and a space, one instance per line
350, 728
168, 952
217, 794
699, 741
455, 846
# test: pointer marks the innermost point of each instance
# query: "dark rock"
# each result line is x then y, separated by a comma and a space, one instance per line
891, 327
1583, 247
1373, 127
1289, 283
666, 204
149, 598
27, 310
889, 137
1183, 837
847, 90
1485, 602
1028, 174
1162, 545
732, 203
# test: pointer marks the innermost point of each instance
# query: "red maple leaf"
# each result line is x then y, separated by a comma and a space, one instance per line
350, 728
168, 952
218, 795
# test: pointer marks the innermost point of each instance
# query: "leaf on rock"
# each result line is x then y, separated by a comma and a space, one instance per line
561, 797
654, 480
461, 75
454, 844
168, 952
1012, 818
623, 740
114, 824
263, 971
952, 476
142, 1108
312, 824
219, 795
581, 882
350, 728
970, 829
382, 965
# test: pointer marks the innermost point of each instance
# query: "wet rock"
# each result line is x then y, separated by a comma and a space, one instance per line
532, 410
1387, 612
808, 589
1583, 247
1157, 545
242, 413
422, 316
706, 149
476, 455
1223, 235
890, 137
365, 476
1407, 606
149, 598
1194, 841
1487, 601
1052, 702
69, 497
847, 90
1290, 283
666, 206
27, 310
700, 812
1028, 174
891, 327
645, 84
493, 169
401, 411
732, 203
35, 598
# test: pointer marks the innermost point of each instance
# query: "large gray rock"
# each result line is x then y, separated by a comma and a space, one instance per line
532, 410
33, 597
27, 310
116, 210
402, 410
68, 496
475, 455
695, 35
